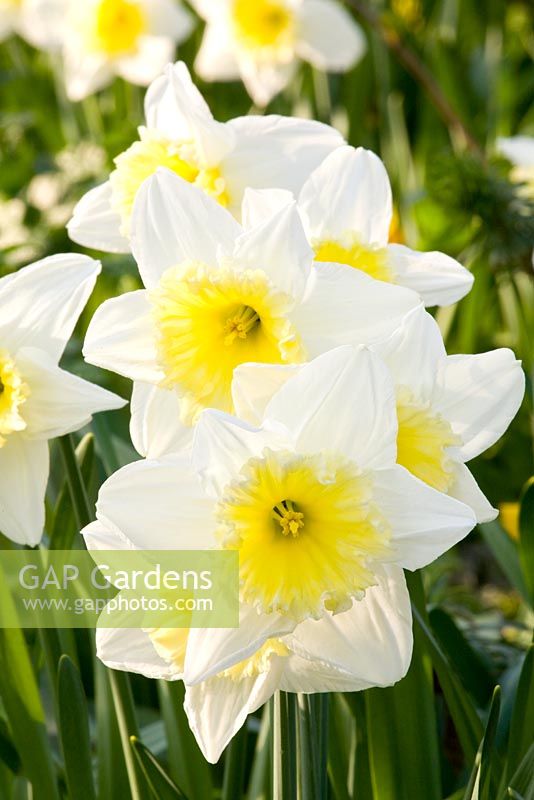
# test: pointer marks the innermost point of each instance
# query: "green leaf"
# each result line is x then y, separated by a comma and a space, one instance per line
522, 722
234, 765
522, 783
506, 553
8, 751
526, 538
74, 731
64, 526
187, 766
464, 715
259, 787
22, 703
161, 785
112, 774
472, 669
490, 764
402, 728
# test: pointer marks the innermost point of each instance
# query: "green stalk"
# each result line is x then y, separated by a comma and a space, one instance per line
234, 766
78, 493
119, 682
284, 747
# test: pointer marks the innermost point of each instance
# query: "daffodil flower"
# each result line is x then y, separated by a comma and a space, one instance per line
450, 409
39, 306
519, 150
218, 295
347, 211
262, 42
39, 22
220, 158
134, 39
323, 520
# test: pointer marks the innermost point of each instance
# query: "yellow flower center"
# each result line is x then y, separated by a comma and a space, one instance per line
350, 251
209, 321
259, 663
262, 23
144, 157
307, 532
423, 443
13, 394
118, 25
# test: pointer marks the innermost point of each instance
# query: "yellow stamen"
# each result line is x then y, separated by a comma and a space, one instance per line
351, 252
13, 394
307, 531
209, 321
262, 23
423, 443
118, 26
143, 158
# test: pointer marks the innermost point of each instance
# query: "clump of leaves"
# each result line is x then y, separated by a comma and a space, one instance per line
499, 212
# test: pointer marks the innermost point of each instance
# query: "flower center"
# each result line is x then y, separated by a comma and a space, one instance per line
423, 443
314, 549
208, 321
144, 157
118, 26
373, 261
13, 394
262, 23
259, 663
290, 520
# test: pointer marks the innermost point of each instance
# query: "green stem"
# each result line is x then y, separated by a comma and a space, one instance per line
284, 747
78, 493
124, 709
234, 766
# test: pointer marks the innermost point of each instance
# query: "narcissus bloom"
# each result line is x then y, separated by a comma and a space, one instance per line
37, 21
449, 408
39, 306
323, 519
261, 42
218, 295
130, 38
222, 159
520, 151
347, 211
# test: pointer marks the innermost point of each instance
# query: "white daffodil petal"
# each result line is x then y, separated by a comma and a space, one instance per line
264, 79
343, 401
96, 224
212, 650
310, 676
424, 522
150, 58
328, 36
254, 385
24, 466
85, 73
175, 108
518, 149
479, 395
216, 59
169, 18
348, 193
275, 151
222, 444
174, 222
121, 338
42, 23
372, 641
344, 306
466, 489
42, 302
58, 402
156, 428
131, 650
171, 511
439, 279
98, 537
218, 708
414, 352
259, 205
279, 247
